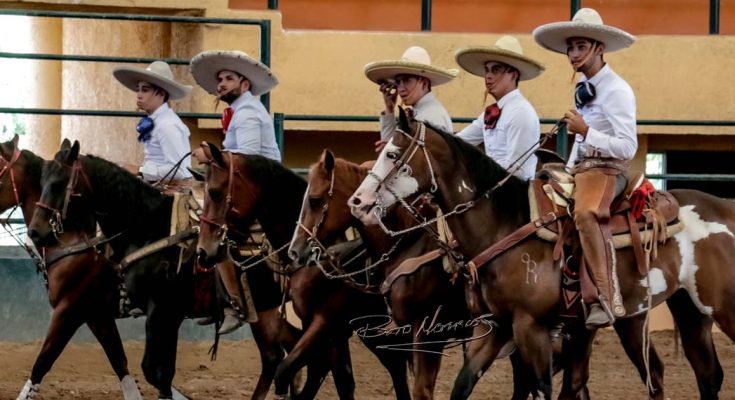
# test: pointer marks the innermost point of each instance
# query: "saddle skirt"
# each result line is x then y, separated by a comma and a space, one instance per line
553, 190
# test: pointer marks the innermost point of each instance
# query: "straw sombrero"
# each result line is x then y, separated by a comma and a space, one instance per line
206, 65
506, 50
586, 23
157, 73
415, 61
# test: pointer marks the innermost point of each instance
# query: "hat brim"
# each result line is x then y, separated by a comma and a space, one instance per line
383, 71
205, 67
473, 60
554, 36
131, 76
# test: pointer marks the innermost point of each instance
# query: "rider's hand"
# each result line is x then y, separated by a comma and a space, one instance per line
390, 94
379, 145
575, 123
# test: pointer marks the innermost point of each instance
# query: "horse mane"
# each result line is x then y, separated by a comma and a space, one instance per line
265, 173
34, 166
486, 173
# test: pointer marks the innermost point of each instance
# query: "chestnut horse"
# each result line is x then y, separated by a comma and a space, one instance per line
125, 205
418, 301
483, 205
82, 287
264, 190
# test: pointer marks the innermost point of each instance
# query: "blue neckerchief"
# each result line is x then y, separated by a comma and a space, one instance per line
144, 128
584, 93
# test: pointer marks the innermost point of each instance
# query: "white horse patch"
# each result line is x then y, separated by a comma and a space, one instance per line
695, 229
657, 279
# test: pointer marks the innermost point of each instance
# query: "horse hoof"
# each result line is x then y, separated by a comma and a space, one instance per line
130, 388
29, 391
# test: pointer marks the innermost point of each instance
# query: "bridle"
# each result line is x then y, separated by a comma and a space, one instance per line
316, 247
8, 168
58, 216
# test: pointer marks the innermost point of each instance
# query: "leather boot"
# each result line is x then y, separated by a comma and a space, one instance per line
597, 317
209, 320
231, 323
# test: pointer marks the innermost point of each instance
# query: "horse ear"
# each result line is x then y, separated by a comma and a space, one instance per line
216, 155
15, 141
73, 153
403, 122
327, 160
65, 145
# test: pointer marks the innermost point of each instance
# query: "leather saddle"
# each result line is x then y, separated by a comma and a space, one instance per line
553, 189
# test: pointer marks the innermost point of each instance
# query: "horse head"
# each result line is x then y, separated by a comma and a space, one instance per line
63, 183
230, 198
405, 166
324, 211
11, 174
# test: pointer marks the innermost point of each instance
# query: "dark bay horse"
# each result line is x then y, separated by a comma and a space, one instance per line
690, 271
420, 301
82, 287
129, 207
266, 191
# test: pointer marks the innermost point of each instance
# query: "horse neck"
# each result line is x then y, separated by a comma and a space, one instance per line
279, 206
29, 191
124, 203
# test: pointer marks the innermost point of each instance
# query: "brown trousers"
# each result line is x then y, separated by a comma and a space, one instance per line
594, 192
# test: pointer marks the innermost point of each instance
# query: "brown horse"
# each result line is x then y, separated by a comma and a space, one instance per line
129, 207
482, 212
82, 287
265, 190
418, 301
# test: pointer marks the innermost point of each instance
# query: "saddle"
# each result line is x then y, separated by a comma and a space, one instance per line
553, 190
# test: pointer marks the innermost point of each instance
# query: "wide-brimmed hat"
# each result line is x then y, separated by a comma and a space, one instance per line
507, 50
206, 65
157, 73
414, 61
586, 23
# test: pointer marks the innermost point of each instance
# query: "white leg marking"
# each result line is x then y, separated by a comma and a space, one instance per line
29, 391
130, 388
658, 281
176, 395
695, 229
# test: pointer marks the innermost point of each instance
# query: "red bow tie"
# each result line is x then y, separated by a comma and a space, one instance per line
492, 114
226, 117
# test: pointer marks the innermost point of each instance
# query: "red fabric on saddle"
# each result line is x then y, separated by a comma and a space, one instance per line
492, 115
226, 118
638, 198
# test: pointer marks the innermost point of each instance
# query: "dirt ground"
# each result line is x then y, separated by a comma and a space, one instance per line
82, 372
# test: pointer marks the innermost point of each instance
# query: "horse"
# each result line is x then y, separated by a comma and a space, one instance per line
244, 188
483, 205
82, 286
135, 214
419, 300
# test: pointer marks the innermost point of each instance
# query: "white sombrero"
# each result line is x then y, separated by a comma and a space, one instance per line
206, 65
586, 23
415, 61
506, 50
157, 73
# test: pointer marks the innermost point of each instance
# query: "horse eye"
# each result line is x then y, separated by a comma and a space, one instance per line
315, 202
392, 155
214, 194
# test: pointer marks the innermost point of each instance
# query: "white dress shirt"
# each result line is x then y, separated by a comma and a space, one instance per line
168, 144
611, 120
516, 131
251, 129
428, 109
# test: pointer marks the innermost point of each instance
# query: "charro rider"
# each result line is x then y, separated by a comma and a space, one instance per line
604, 123
238, 80
511, 126
412, 77
164, 136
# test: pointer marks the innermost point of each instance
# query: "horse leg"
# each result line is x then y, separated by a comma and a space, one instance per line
483, 347
695, 329
631, 331
396, 364
268, 334
159, 360
575, 359
299, 355
534, 343
344, 380
105, 330
64, 322
316, 372
427, 360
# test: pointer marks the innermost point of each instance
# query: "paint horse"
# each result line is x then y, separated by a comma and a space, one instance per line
423, 298
243, 188
690, 271
137, 214
82, 285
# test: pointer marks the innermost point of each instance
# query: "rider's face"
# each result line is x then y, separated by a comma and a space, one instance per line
230, 85
499, 79
148, 97
411, 88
